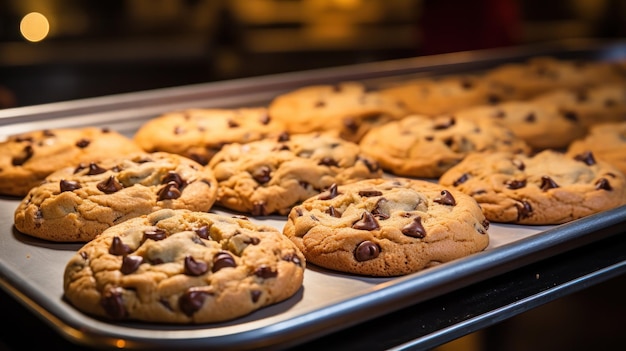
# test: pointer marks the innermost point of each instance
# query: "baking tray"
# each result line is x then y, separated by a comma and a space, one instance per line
31, 270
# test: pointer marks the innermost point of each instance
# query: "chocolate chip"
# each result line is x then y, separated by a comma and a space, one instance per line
265, 272
179, 130
499, 114
203, 232
93, 169
253, 241
112, 303
524, 210
485, 225
84, 255
548, 183
255, 295
415, 229
515, 183
378, 212
445, 199
172, 176
328, 161
192, 300
331, 193
195, 268
283, 137
351, 124
259, 209
201, 159
586, 157
155, 234
319, 104
68, 185
83, 143
367, 222
232, 124
462, 179
603, 184
444, 123
372, 166
118, 248
109, 186
530, 117
130, 264
570, 115
370, 193
265, 119
293, 258
169, 191
262, 174
333, 212
519, 164
222, 260
493, 99
366, 251
48, 133
25, 155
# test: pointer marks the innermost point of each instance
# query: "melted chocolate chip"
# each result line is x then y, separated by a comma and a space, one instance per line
367, 222
203, 232
83, 143
293, 258
444, 123
195, 268
232, 124
84, 255
255, 295
445, 199
109, 186
68, 185
328, 161
518, 164
530, 117
548, 183
372, 166
223, 260
370, 193
415, 229
130, 264
262, 174
201, 159
259, 209
94, 169
265, 272
515, 184
462, 179
366, 251
524, 210
331, 193
603, 184
192, 300
333, 212
112, 303
283, 137
155, 234
586, 157
378, 212
24, 156
118, 248
169, 191
172, 176
351, 125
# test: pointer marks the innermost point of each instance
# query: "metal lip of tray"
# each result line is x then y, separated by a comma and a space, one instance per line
31, 270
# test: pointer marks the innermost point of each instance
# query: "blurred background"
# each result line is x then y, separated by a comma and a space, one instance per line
68, 49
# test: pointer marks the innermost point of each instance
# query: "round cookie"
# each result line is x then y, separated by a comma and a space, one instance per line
199, 133
75, 204
547, 188
270, 176
387, 227
27, 158
540, 125
425, 147
183, 267
346, 109
607, 141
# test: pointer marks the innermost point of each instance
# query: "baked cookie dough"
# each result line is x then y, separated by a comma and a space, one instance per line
27, 158
270, 176
183, 267
75, 204
547, 188
425, 147
607, 141
387, 227
199, 133
346, 109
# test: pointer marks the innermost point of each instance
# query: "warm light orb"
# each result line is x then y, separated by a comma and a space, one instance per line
34, 27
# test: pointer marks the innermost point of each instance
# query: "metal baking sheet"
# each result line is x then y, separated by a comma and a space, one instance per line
32, 270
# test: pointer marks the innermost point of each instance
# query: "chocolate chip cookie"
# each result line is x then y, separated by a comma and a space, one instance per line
547, 188
27, 158
387, 227
270, 176
347, 109
75, 204
425, 147
183, 267
607, 141
199, 133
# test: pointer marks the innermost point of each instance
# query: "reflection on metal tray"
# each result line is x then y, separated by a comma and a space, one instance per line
32, 270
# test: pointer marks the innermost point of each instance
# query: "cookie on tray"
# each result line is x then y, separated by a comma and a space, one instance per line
439, 95
183, 267
387, 227
540, 125
75, 204
270, 176
27, 158
607, 141
425, 147
346, 109
199, 133
546, 188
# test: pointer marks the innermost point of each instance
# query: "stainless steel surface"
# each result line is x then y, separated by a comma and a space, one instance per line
32, 270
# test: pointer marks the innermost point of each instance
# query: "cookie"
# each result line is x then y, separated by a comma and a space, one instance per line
542, 74
387, 227
434, 96
607, 141
540, 125
199, 133
547, 188
183, 267
27, 158
75, 204
425, 147
270, 176
346, 109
